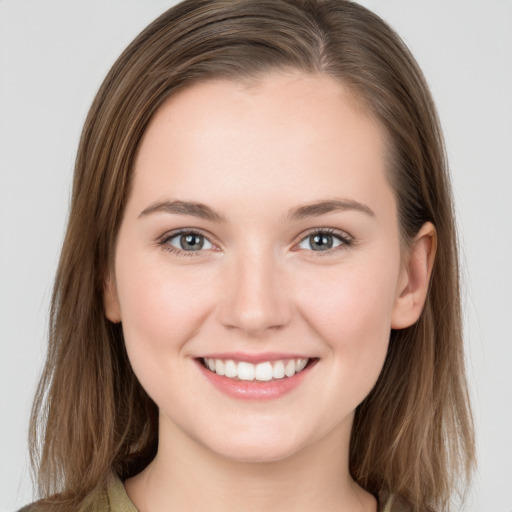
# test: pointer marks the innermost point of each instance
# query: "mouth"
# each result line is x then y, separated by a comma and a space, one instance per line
264, 371
251, 377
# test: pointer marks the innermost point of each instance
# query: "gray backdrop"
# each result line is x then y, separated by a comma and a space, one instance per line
53, 56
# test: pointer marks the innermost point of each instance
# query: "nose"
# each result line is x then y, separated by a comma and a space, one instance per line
256, 297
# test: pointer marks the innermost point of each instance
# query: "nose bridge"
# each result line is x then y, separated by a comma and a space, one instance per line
256, 295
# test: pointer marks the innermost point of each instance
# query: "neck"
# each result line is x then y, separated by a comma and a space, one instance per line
186, 475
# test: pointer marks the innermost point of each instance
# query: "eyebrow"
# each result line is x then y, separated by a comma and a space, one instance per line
202, 211
328, 206
184, 208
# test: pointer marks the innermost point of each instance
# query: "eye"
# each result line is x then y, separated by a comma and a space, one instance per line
187, 241
323, 240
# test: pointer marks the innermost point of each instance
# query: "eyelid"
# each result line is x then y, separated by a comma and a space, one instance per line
346, 239
163, 240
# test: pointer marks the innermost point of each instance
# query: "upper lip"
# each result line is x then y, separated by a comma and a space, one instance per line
254, 358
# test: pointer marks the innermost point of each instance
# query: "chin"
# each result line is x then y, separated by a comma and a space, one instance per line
258, 446
257, 454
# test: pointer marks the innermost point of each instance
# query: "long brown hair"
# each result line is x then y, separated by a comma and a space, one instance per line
412, 436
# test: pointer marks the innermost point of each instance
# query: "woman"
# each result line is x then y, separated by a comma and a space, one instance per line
257, 300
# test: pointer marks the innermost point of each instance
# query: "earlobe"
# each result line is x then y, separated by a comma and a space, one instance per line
110, 300
416, 273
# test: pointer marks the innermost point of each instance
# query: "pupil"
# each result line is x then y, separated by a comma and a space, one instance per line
191, 242
321, 242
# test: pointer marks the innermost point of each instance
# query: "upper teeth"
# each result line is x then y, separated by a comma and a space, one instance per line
262, 371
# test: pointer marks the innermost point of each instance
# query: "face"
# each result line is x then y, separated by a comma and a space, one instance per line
258, 268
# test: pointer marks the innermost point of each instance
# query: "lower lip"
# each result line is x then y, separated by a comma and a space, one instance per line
254, 390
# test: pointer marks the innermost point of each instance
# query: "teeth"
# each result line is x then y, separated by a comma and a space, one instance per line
289, 369
230, 368
246, 371
278, 372
261, 372
219, 367
301, 364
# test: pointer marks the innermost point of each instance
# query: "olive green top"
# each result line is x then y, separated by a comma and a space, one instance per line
115, 499
111, 499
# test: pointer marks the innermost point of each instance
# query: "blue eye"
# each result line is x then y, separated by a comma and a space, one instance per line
323, 240
188, 241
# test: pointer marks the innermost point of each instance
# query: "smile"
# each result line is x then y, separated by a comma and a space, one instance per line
264, 372
256, 376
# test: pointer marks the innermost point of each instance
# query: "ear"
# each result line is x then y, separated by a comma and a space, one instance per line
110, 299
415, 278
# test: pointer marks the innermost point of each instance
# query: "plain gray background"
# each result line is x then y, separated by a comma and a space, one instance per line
53, 56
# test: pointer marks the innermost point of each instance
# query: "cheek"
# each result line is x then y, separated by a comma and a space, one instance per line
355, 301
161, 305
350, 310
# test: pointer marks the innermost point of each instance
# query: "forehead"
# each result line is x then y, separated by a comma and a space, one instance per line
311, 99
285, 132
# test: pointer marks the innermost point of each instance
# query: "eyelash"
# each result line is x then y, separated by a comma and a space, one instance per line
344, 239
164, 242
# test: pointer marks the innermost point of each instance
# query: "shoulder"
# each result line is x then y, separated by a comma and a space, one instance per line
111, 497
96, 501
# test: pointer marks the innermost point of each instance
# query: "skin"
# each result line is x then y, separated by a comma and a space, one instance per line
253, 154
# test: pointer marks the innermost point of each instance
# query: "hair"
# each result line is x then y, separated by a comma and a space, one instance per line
412, 436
